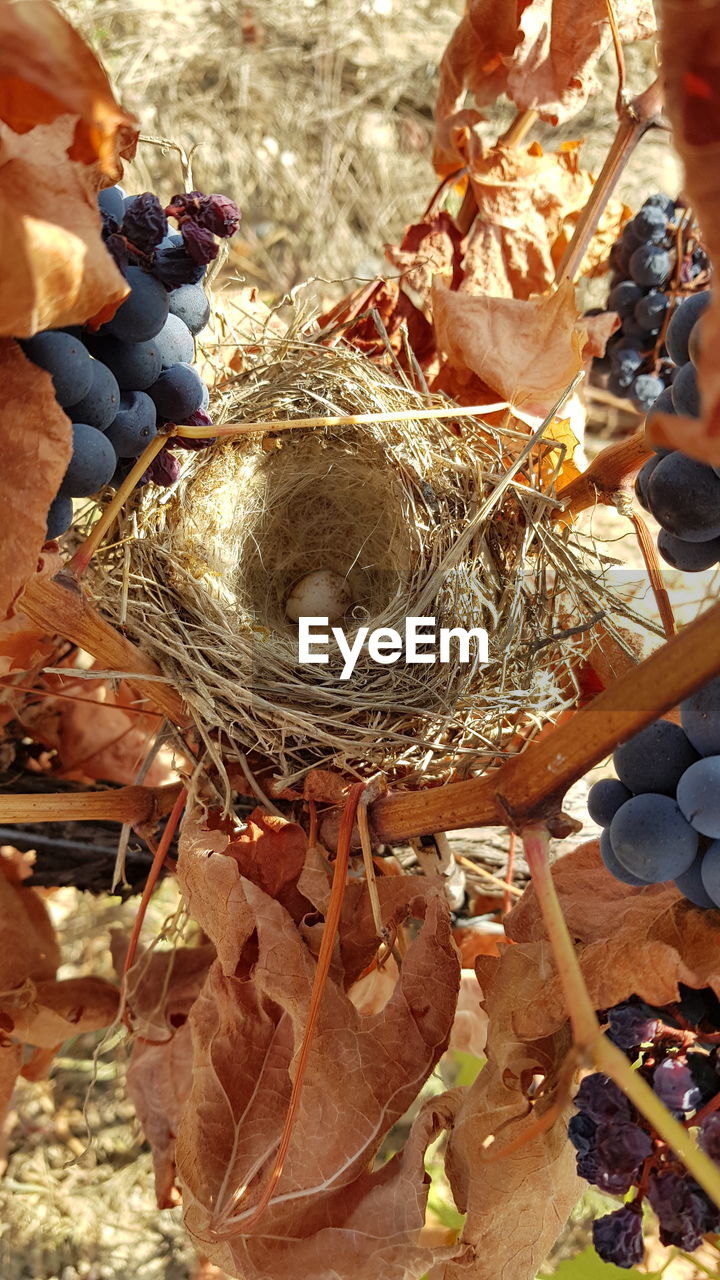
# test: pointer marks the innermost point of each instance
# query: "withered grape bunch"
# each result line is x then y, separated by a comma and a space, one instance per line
676, 1050
119, 384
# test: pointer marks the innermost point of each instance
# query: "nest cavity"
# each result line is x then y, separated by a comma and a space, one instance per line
418, 518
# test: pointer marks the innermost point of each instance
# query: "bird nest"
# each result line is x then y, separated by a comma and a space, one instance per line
415, 517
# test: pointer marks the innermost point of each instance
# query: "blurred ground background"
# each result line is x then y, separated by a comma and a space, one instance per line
316, 117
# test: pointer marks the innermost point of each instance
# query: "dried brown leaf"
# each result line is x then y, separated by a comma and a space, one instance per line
213, 863
23, 646
46, 71
529, 351
327, 1210
525, 199
47, 1013
629, 941
517, 1203
428, 247
57, 269
161, 991
35, 444
29, 951
542, 53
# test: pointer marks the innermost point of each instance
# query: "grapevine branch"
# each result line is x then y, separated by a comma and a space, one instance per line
133, 805
59, 606
637, 117
586, 1029
609, 476
529, 787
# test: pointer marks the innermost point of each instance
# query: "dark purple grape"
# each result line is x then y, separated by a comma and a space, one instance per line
655, 759
175, 268
684, 497
99, 406
632, 1024
143, 313
649, 310
175, 343
687, 312
92, 463
652, 839
617, 1237
602, 1100
624, 297
691, 557
642, 480
199, 242
604, 800
645, 390
651, 224
134, 425
622, 1147
144, 223
650, 265
581, 1132
111, 201
710, 1135
683, 1210
700, 717
177, 393
674, 1085
59, 518
190, 303
615, 867
686, 392
67, 362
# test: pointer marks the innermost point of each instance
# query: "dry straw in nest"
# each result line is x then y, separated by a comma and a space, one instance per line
419, 517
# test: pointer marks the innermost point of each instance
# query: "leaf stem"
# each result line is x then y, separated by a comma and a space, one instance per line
649, 555
586, 1028
637, 117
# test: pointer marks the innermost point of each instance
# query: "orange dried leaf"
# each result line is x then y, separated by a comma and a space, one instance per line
161, 991
629, 941
525, 199
57, 269
516, 1204
538, 52
362, 1073
528, 351
47, 70
50, 1012
35, 445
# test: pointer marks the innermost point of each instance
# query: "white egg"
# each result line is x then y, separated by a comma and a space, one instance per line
320, 594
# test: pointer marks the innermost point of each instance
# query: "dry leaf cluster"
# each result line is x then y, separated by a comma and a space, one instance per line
219, 1025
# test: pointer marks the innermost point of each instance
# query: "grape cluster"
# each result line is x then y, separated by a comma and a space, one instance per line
661, 816
656, 261
676, 1050
135, 374
682, 494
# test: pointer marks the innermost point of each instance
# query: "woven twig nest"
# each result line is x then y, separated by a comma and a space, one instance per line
417, 519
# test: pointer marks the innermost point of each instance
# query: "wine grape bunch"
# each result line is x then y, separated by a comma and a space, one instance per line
676, 1050
681, 493
661, 815
118, 385
657, 261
